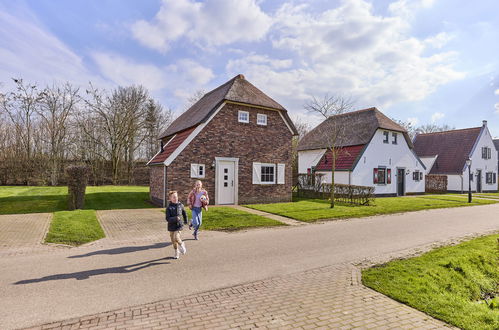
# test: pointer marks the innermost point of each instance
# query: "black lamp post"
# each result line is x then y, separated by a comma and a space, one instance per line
468, 162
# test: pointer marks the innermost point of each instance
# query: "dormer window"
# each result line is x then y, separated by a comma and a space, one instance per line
394, 138
386, 134
261, 119
243, 116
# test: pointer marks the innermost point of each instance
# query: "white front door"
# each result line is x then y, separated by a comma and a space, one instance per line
226, 182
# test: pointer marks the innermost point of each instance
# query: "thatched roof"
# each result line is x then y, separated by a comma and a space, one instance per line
357, 128
238, 89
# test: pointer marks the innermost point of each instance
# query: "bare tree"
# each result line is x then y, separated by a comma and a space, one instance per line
57, 104
303, 128
411, 130
196, 96
156, 120
121, 115
330, 106
432, 128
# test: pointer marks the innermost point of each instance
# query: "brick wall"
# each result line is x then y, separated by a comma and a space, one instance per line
224, 136
156, 182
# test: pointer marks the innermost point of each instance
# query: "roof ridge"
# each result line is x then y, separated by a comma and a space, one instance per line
451, 130
231, 81
355, 111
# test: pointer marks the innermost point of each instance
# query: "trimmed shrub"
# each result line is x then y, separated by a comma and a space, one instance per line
77, 178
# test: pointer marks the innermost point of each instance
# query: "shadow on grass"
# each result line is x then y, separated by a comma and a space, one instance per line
122, 250
102, 271
93, 201
32, 204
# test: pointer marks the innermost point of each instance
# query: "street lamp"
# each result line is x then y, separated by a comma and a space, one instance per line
468, 163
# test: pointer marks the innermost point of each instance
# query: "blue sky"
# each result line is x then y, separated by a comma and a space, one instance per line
422, 61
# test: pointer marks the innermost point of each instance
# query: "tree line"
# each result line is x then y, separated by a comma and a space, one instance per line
44, 129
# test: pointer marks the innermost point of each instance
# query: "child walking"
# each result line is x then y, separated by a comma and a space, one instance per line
174, 211
197, 200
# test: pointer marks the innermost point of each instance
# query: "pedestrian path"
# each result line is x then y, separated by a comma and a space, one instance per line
23, 232
323, 298
288, 221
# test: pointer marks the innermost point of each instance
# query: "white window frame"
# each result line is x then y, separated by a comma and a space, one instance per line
386, 137
239, 113
261, 116
257, 173
195, 169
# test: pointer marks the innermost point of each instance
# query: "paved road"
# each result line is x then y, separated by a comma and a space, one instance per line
42, 288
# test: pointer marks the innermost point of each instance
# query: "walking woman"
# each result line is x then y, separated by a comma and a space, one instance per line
174, 213
197, 200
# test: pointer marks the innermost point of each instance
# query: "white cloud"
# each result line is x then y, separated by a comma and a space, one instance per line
439, 40
185, 73
413, 121
496, 92
124, 71
347, 50
29, 51
437, 116
210, 23
496, 106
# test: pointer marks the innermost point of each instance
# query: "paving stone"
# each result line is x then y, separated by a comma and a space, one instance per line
310, 299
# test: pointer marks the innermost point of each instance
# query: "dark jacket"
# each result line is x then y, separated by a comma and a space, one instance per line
173, 216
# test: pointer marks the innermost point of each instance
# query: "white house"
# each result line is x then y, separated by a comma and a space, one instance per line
446, 153
373, 150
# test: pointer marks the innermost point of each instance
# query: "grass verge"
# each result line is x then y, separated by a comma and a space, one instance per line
229, 219
22, 199
74, 227
457, 284
310, 210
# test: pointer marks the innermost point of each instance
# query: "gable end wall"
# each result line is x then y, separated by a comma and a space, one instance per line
224, 136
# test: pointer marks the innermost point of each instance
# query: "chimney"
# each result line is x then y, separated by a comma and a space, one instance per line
484, 123
162, 146
240, 76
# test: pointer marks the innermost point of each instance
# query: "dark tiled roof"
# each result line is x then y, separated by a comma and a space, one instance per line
357, 127
171, 146
238, 89
346, 159
496, 143
452, 147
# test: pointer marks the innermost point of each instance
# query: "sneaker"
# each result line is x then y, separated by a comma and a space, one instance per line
182, 248
190, 227
176, 255
195, 236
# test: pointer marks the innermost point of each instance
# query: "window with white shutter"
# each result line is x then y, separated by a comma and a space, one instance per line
257, 173
197, 171
280, 173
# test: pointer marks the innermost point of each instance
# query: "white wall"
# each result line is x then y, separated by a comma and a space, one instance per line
339, 176
392, 156
486, 165
308, 158
428, 162
457, 183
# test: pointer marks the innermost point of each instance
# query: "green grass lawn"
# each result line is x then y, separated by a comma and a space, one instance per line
229, 219
315, 209
22, 199
74, 227
456, 284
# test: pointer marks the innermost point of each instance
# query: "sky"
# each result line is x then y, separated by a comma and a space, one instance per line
421, 61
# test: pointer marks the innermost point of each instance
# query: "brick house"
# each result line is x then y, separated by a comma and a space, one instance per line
236, 140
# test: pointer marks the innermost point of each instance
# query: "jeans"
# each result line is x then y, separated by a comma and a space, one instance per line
197, 219
176, 240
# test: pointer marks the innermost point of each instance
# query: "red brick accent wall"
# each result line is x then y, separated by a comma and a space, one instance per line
224, 136
156, 182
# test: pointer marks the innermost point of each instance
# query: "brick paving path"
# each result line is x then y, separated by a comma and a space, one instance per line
23, 232
323, 298
133, 225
